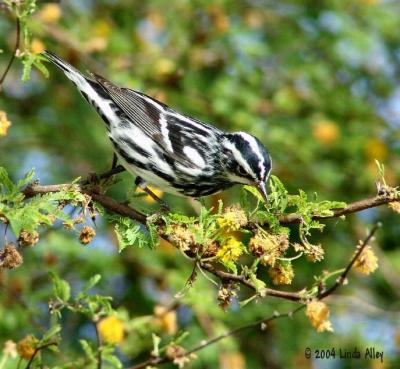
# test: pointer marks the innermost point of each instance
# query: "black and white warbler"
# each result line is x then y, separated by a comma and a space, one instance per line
164, 148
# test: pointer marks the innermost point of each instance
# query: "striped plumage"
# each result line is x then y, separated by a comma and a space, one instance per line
167, 149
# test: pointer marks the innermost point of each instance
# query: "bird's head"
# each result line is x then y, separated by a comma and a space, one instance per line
248, 161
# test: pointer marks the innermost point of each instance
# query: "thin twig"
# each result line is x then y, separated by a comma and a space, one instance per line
16, 47
262, 323
342, 278
37, 351
351, 208
224, 276
99, 346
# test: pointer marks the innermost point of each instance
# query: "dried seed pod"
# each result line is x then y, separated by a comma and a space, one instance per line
28, 238
87, 234
10, 258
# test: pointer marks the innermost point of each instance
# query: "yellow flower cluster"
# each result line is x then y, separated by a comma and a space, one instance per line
4, 123
50, 13
232, 219
367, 262
37, 46
314, 253
26, 347
166, 319
318, 313
268, 247
182, 238
326, 131
230, 250
281, 273
111, 330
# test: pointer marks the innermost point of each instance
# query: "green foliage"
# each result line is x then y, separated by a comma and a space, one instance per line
39, 210
29, 60
131, 233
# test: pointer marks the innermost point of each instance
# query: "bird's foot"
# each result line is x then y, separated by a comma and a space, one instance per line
164, 209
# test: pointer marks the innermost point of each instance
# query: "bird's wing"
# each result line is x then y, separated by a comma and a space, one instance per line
153, 118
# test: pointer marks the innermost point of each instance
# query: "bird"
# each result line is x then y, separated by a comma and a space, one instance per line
169, 150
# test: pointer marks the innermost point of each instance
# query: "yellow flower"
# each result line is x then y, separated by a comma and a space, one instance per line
148, 198
367, 262
4, 123
164, 67
182, 237
166, 319
268, 246
326, 131
102, 28
50, 13
281, 273
220, 20
318, 313
376, 149
111, 330
230, 250
233, 218
37, 46
96, 44
26, 347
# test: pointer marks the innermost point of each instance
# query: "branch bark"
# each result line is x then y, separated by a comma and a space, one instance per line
111, 205
351, 208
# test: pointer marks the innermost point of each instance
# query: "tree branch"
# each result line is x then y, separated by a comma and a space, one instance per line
339, 282
262, 323
224, 276
353, 207
16, 47
111, 205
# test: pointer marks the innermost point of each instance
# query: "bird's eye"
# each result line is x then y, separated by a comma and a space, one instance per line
241, 171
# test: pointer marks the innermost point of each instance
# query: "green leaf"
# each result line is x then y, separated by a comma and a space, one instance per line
230, 265
61, 288
91, 283
130, 233
111, 359
27, 61
89, 352
54, 330
254, 192
39, 65
5, 180
156, 344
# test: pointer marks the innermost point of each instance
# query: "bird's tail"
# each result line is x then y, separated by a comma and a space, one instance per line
72, 73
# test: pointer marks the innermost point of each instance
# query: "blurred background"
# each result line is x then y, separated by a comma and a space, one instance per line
318, 82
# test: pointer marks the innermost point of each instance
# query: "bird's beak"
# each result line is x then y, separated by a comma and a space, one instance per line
263, 191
